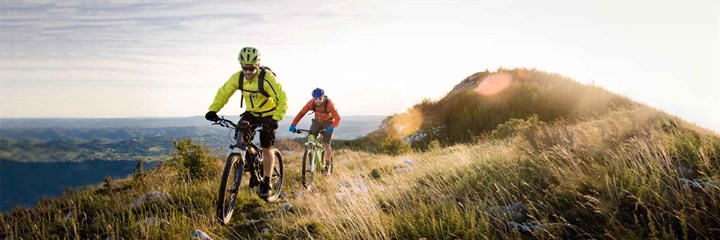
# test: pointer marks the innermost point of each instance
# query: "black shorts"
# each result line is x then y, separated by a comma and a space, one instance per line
267, 136
317, 126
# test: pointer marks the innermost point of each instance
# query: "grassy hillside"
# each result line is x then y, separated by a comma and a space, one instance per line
482, 101
619, 171
634, 173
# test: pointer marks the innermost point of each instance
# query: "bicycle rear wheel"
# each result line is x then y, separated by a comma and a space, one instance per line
276, 179
232, 174
308, 171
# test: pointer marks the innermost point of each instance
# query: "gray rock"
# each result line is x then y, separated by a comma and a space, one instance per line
150, 196
265, 231
198, 234
156, 221
344, 184
251, 222
700, 183
416, 137
285, 206
363, 187
299, 195
408, 162
526, 227
514, 211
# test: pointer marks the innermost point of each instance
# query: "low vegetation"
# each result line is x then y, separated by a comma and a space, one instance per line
622, 171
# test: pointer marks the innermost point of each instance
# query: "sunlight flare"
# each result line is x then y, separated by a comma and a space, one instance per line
408, 123
493, 84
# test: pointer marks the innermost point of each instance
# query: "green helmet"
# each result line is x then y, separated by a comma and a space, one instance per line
249, 55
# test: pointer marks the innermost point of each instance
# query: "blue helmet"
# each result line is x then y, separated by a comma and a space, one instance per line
318, 93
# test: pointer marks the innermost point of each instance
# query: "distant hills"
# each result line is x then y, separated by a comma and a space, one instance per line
47, 140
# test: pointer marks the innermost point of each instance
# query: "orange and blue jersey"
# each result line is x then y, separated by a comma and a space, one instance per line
321, 114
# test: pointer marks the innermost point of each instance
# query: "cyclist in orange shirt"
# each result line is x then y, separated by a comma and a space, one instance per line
326, 117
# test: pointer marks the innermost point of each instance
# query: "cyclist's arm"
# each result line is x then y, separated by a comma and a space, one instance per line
274, 89
335, 114
225, 92
302, 113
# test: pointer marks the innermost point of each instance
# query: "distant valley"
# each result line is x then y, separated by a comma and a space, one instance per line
52, 140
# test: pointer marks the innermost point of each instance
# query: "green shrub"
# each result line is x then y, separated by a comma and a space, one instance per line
193, 161
394, 145
514, 126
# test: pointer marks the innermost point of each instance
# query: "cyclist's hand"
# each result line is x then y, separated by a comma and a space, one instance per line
212, 116
330, 129
293, 128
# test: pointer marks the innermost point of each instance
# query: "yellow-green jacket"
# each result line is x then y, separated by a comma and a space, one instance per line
255, 102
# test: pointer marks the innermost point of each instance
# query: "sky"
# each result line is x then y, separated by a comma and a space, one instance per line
168, 58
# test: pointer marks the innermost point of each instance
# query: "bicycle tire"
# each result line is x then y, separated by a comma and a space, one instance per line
224, 208
307, 171
278, 174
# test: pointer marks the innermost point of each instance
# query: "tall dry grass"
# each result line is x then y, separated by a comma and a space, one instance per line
617, 176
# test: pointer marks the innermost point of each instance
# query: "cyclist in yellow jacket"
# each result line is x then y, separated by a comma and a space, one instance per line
266, 103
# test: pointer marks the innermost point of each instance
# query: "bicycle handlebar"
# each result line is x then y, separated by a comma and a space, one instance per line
230, 124
300, 131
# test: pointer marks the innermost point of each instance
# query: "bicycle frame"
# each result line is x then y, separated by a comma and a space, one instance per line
244, 157
316, 146
313, 143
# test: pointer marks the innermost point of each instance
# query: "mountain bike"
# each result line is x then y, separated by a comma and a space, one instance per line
244, 157
313, 157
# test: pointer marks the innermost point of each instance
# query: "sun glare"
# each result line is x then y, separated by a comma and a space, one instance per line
493, 84
408, 123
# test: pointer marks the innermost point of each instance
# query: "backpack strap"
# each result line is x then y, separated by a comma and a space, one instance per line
261, 83
326, 103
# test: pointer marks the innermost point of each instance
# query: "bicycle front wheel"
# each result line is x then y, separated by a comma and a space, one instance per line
307, 167
229, 185
277, 176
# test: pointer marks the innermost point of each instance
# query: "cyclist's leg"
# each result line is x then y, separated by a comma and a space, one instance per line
315, 127
326, 139
267, 141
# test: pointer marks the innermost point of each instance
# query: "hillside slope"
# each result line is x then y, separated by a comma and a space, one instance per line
484, 100
621, 171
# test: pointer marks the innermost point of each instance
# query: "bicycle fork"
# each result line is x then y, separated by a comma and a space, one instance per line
239, 166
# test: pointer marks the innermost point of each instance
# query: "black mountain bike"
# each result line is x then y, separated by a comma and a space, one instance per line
314, 158
244, 157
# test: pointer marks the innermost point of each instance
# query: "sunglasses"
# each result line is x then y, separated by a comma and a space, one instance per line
249, 69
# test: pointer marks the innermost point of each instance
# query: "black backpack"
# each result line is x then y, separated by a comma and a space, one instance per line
261, 83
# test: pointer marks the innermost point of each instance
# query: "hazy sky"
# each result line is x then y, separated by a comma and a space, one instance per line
168, 58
